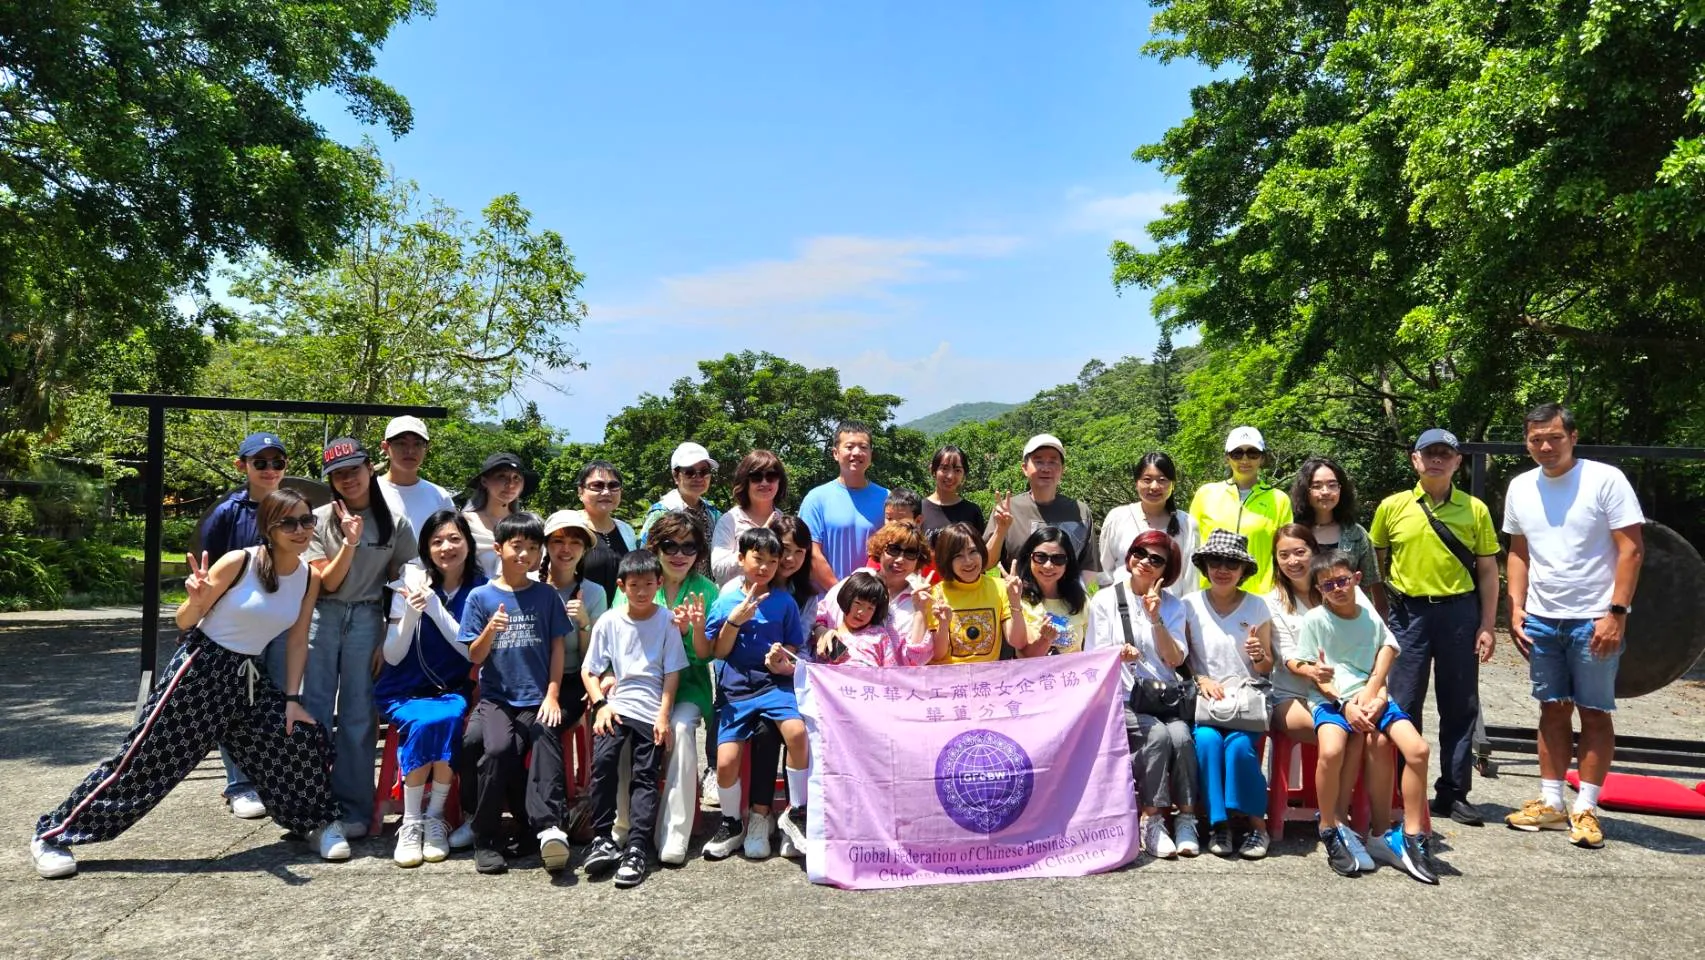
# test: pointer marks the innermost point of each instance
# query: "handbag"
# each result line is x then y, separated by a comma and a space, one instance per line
1159, 699
1244, 706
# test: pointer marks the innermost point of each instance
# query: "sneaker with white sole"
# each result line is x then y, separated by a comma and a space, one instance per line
1184, 835
52, 860
1358, 849
709, 797
1219, 841
786, 848
730, 835
674, 854
601, 857
757, 845
435, 845
792, 825
330, 841
354, 829
246, 804
631, 872
411, 837
1339, 856
1254, 845
553, 848
1410, 856
1157, 842
462, 837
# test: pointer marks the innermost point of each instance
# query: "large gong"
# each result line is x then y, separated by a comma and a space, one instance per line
318, 495
1666, 630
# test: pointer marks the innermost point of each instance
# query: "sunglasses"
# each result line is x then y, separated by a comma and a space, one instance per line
602, 486
1149, 559
267, 463
697, 473
670, 548
1245, 453
306, 521
1224, 563
1048, 559
765, 476
897, 552
1336, 583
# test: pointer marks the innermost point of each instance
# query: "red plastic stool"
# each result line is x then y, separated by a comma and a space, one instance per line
1290, 797
388, 795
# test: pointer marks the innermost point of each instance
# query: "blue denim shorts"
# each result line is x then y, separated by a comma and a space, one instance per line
1563, 668
737, 720
1331, 714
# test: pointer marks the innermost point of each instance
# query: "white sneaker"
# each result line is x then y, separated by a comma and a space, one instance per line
435, 847
1186, 842
332, 844
675, 854
1156, 841
354, 829
709, 798
757, 836
246, 805
410, 837
553, 848
51, 860
462, 837
785, 847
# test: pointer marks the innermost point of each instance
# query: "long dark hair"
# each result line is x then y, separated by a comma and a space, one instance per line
790, 529
470, 563
1287, 595
1071, 582
1344, 514
277, 505
1160, 461
375, 502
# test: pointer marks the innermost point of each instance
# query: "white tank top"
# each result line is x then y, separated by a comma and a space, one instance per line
246, 618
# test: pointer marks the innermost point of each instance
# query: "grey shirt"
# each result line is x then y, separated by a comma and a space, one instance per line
373, 565
1069, 515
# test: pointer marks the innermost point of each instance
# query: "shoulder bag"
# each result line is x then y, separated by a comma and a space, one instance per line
1157, 698
1244, 706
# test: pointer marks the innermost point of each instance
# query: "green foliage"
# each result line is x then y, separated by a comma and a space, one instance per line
959, 413
176, 534
37, 573
143, 141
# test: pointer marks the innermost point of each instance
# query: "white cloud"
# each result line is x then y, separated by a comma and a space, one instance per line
1117, 217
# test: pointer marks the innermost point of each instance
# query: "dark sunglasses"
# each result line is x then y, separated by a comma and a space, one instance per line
765, 476
670, 548
898, 552
1150, 559
306, 521
1224, 563
603, 486
1336, 583
697, 473
1245, 453
267, 463
1048, 559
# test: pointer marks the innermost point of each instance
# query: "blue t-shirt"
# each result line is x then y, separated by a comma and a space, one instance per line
431, 666
232, 525
742, 673
841, 521
517, 671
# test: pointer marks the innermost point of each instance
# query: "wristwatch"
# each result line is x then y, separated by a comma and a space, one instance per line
293, 698
1620, 609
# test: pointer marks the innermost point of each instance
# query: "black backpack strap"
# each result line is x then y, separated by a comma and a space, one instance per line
1124, 613
1457, 548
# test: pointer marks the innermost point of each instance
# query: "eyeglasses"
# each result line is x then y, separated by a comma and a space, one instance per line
1336, 583
305, 522
670, 548
765, 476
1048, 559
1151, 559
697, 473
267, 463
602, 486
1245, 453
1326, 486
897, 552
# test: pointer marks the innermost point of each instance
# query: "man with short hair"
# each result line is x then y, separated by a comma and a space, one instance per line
1575, 551
843, 513
405, 446
692, 468
1044, 505
1440, 549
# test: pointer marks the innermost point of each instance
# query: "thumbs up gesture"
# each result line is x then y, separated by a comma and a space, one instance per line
499, 621
1252, 646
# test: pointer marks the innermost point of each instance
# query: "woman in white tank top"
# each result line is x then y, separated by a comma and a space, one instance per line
214, 692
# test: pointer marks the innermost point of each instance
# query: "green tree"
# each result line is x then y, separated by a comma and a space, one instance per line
143, 140
1167, 390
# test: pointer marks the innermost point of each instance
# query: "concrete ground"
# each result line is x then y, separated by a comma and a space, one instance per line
192, 881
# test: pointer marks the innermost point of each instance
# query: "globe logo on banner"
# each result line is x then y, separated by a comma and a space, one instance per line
983, 780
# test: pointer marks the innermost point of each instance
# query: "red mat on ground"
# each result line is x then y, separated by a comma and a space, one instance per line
1638, 794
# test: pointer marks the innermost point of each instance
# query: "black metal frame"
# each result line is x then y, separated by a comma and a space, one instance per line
154, 486
1478, 451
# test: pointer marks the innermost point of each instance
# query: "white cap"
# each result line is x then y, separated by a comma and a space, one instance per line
690, 453
1044, 440
401, 425
1245, 437
571, 520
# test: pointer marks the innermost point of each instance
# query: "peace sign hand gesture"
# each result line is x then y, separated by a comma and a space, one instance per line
1003, 510
689, 615
1014, 584
350, 523
748, 608
199, 583
1151, 603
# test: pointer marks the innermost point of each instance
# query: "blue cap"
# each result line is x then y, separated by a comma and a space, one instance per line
256, 442
1436, 435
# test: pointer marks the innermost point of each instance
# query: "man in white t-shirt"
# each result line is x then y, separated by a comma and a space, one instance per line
405, 446
1575, 550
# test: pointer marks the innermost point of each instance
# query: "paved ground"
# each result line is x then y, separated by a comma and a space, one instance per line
192, 881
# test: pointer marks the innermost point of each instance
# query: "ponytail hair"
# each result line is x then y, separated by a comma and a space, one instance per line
277, 505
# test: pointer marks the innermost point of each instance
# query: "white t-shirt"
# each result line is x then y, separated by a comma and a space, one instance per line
1567, 521
1216, 642
1123, 524
640, 653
1104, 631
418, 500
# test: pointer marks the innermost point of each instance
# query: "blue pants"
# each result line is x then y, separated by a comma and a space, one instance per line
1438, 638
1232, 781
272, 658
429, 729
339, 689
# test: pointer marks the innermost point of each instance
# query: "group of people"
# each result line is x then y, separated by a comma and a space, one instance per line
483, 632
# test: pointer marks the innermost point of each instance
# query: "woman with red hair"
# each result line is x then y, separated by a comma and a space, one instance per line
1146, 624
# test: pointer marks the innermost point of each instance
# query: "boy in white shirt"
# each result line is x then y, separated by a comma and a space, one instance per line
405, 446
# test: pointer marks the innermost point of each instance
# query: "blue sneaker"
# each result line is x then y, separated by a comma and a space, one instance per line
1364, 861
1409, 853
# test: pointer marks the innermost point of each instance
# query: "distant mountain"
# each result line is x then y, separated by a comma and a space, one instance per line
941, 420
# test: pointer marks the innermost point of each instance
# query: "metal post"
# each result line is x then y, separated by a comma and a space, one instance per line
1477, 475
154, 495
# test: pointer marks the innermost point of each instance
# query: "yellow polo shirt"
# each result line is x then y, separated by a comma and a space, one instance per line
1217, 506
1421, 564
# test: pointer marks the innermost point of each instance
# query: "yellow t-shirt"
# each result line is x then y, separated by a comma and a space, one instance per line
980, 614
1076, 623
1421, 564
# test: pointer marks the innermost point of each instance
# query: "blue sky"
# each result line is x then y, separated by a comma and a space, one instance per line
920, 195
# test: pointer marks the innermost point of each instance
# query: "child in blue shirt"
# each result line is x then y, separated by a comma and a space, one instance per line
757, 631
1352, 651
515, 628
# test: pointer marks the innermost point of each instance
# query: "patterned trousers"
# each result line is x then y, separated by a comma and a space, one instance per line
207, 695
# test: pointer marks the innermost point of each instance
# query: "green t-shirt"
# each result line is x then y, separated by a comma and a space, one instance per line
1350, 647
695, 686
1421, 564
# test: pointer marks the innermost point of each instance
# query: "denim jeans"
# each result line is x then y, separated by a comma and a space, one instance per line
338, 693
236, 781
